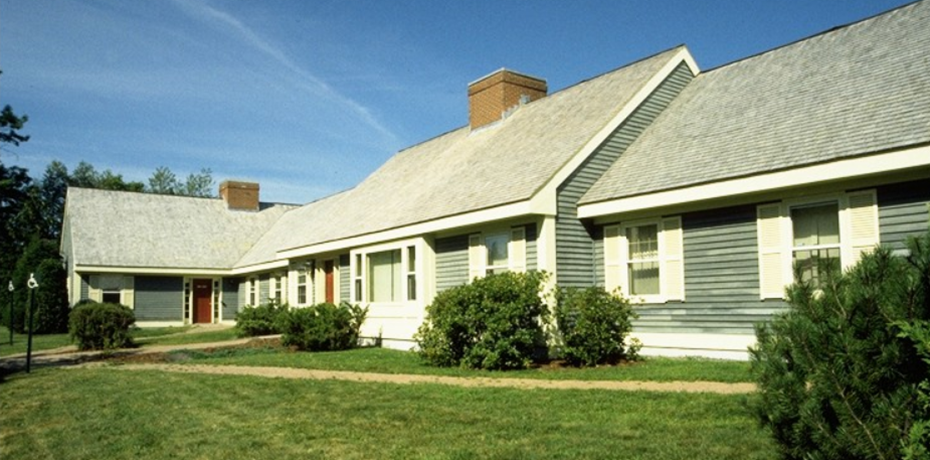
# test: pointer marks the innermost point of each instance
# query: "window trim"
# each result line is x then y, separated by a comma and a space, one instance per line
858, 226
478, 257
671, 264
359, 266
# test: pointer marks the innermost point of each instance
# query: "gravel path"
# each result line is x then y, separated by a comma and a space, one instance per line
312, 374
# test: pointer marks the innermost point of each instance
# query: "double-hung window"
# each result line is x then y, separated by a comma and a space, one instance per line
815, 239
644, 259
497, 252
302, 285
384, 278
811, 235
498, 257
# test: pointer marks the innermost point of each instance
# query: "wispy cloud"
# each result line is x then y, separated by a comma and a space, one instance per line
309, 82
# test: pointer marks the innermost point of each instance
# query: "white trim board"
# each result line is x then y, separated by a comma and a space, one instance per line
901, 160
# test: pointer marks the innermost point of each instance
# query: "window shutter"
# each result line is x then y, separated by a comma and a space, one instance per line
476, 257
771, 244
93, 289
517, 249
673, 259
863, 223
612, 258
127, 295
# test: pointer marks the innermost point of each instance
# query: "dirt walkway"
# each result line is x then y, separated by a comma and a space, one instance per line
312, 374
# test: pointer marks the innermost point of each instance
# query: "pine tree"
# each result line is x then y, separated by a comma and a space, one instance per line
838, 378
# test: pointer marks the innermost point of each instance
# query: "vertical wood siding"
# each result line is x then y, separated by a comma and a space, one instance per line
451, 262
902, 212
345, 277
159, 298
721, 278
231, 288
575, 251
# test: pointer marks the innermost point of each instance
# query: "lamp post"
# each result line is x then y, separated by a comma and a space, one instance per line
32, 284
10, 288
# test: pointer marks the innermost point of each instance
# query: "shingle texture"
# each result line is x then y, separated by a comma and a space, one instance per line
126, 229
860, 89
467, 170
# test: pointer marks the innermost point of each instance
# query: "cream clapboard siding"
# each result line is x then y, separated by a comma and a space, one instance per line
771, 246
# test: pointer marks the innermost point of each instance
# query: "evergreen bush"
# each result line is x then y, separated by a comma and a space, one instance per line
593, 325
264, 319
493, 323
52, 310
36, 253
323, 327
839, 373
101, 326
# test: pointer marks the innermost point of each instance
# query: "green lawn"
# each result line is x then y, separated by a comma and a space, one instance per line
39, 342
402, 362
108, 413
144, 337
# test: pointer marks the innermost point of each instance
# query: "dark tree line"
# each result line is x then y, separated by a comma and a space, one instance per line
31, 214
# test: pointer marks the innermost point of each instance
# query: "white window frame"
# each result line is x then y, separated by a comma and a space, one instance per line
479, 258
859, 233
670, 259
252, 290
302, 269
358, 289
277, 287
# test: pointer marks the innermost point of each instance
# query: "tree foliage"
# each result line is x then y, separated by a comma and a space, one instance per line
494, 322
838, 375
39, 259
163, 181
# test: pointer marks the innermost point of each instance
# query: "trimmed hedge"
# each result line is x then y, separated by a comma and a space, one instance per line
323, 327
265, 319
101, 326
592, 326
495, 322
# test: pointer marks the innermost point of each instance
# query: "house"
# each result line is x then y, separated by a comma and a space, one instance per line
692, 192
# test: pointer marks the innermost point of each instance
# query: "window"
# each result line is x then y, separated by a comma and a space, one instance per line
498, 257
815, 239
278, 288
111, 288
302, 285
111, 295
831, 229
644, 259
643, 263
253, 291
359, 279
384, 280
411, 273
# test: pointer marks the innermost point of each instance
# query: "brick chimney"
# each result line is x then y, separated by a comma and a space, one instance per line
490, 97
240, 195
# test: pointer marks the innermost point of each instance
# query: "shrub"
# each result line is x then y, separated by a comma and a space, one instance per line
35, 254
101, 326
837, 377
265, 319
592, 326
323, 327
493, 323
52, 310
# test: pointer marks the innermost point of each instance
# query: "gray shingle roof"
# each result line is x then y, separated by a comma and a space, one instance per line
466, 170
856, 90
126, 229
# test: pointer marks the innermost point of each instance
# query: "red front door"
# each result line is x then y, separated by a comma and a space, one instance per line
328, 270
203, 296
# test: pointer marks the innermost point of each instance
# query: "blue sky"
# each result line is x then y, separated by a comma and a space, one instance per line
310, 97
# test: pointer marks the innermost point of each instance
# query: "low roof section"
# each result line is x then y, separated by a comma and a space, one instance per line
848, 92
111, 229
470, 170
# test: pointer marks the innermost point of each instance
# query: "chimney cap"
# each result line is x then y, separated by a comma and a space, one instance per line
504, 70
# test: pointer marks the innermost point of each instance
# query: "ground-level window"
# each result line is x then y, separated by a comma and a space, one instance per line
644, 259
643, 263
277, 282
253, 291
411, 273
302, 285
498, 256
815, 239
384, 277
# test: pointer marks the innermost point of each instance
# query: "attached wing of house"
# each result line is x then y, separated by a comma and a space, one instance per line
691, 192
